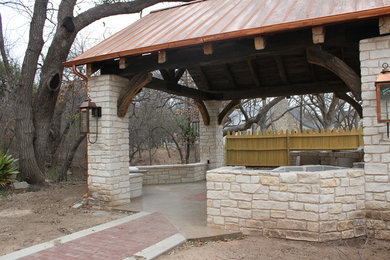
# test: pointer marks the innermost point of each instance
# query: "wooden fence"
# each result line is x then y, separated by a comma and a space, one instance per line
273, 149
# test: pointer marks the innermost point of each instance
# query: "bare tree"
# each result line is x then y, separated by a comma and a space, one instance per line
34, 116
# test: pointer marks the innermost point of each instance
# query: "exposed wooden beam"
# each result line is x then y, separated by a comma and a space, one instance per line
259, 43
167, 74
162, 57
229, 75
338, 67
384, 25
180, 90
318, 34
178, 74
351, 101
281, 69
253, 70
228, 110
208, 48
128, 93
203, 111
284, 90
203, 82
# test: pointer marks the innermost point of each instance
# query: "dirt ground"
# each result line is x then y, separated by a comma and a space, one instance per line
31, 218
260, 248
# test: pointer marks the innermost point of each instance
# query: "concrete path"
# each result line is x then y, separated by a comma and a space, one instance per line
142, 235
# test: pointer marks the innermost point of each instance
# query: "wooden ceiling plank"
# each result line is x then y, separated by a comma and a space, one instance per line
229, 74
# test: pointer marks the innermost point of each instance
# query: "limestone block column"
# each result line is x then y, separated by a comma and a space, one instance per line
108, 158
212, 149
373, 53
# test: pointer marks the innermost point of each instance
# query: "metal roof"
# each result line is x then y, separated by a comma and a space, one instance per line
213, 20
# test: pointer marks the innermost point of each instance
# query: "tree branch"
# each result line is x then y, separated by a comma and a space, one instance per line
105, 10
3, 52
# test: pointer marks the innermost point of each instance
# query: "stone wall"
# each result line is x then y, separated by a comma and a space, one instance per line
373, 53
312, 206
176, 173
108, 158
341, 158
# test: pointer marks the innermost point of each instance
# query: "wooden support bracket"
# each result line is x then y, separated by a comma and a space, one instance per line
259, 43
228, 110
208, 48
318, 34
351, 101
92, 68
127, 94
203, 111
162, 57
122, 63
338, 67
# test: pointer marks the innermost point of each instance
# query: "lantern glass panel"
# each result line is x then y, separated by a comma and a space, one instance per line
84, 114
93, 123
384, 92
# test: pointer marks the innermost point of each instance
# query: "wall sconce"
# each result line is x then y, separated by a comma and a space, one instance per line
382, 85
89, 114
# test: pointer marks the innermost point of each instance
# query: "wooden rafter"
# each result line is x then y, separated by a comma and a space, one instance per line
253, 70
338, 67
281, 69
228, 110
229, 75
127, 94
351, 101
203, 111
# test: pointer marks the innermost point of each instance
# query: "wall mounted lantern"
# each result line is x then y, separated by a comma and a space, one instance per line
382, 85
89, 114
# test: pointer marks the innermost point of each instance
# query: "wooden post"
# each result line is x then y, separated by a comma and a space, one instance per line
318, 34
208, 48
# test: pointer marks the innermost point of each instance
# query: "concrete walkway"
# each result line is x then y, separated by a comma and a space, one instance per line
184, 205
142, 235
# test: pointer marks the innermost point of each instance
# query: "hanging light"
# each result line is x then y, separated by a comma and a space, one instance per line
382, 85
89, 114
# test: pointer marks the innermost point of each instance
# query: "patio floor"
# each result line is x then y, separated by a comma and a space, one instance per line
184, 205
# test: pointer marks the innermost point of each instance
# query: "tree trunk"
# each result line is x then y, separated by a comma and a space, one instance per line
69, 158
29, 169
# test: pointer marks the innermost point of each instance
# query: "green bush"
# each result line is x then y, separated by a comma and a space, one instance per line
7, 168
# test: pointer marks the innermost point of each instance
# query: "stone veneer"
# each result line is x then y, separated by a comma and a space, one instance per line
373, 53
108, 158
312, 206
175, 173
211, 137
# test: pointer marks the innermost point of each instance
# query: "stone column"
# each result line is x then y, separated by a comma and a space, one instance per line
373, 53
211, 138
108, 158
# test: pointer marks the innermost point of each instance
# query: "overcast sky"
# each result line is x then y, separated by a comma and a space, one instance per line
16, 26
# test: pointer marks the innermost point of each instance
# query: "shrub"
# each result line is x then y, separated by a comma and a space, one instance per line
7, 168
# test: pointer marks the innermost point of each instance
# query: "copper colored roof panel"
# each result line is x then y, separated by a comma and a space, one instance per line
213, 20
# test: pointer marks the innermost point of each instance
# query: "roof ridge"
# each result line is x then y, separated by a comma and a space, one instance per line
176, 6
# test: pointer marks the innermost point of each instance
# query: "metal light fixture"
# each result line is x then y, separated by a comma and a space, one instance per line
382, 85
89, 114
